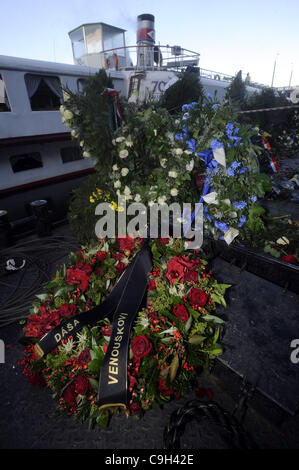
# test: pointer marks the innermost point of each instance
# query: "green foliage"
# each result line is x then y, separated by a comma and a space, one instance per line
187, 89
91, 119
236, 92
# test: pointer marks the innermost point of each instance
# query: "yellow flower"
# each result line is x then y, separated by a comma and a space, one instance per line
91, 199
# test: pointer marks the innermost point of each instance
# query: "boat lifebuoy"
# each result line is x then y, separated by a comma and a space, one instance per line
115, 59
217, 77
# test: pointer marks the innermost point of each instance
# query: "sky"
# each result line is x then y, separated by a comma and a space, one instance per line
230, 35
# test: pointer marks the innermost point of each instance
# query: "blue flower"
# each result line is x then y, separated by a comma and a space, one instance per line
254, 199
235, 165
242, 221
209, 96
191, 144
214, 166
229, 129
214, 106
215, 144
230, 172
179, 136
221, 225
221, 238
186, 107
236, 130
243, 170
194, 103
240, 205
185, 116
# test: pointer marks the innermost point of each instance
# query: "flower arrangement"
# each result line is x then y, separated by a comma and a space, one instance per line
174, 336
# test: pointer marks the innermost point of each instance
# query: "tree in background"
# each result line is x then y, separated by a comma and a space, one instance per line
186, 90
236, 92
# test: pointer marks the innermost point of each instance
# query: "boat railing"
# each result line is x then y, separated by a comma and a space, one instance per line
149, 57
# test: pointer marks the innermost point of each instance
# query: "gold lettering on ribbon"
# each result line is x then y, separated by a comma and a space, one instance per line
113, 361
70, 326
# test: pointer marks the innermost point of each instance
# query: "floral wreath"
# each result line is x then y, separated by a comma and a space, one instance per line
174, 337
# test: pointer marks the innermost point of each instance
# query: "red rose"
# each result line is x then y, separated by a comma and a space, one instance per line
84, 357
126, 243
82, 384
119, 256
189, 263
175, 270
181, 312
67, 310
77, 277
105, 347
141, 346
101, 255
135, 408
70, 395
163, 388
191, 276
290, 259
151, 285
197, 297
120, 267
84, 267
165, 241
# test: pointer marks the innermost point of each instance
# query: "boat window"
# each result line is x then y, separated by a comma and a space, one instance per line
4, 103
81, 84
70, 154
26, 161
44, 92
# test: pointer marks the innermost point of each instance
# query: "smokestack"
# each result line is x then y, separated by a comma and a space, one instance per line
145, 40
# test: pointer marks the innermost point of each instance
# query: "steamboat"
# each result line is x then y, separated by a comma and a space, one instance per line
39, 159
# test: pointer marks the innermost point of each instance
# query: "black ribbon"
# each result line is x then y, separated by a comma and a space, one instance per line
113, 376
124, 301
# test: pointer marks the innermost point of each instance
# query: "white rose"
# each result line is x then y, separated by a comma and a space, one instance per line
163, 162
227, 202
127, 191
161, 200
124, 171
74, 133
137, 198
190, 165
66, 96
172, 174
233, 214
82, 143
178, 151
123, 153
129, 143
151, 203
86, 155
68, 114
174, 192
120, 139
115, 167
62, 109
113, 142
117, 184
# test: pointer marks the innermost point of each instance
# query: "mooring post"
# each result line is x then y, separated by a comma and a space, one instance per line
40, 211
